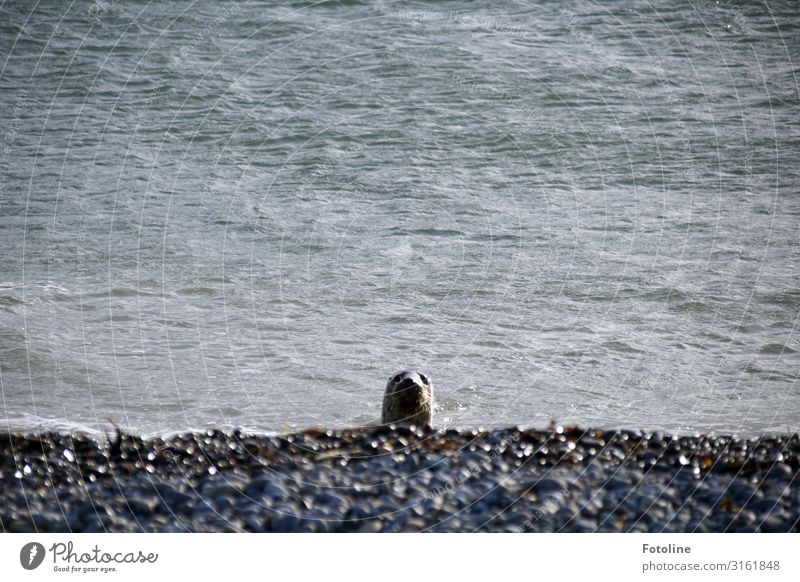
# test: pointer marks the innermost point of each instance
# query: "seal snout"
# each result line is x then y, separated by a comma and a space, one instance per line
407, 383
406, 380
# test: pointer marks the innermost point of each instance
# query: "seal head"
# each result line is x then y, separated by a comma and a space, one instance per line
408, 399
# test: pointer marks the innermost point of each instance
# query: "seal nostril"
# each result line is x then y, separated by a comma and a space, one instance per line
423, 378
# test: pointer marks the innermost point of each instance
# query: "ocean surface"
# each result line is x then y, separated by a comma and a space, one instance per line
251, 214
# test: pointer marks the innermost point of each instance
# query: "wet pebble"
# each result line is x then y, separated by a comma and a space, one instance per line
143, 505
387, 479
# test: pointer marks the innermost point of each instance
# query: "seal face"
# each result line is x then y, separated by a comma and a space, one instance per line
408, 399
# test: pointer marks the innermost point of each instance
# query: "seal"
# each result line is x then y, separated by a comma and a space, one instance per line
408, 399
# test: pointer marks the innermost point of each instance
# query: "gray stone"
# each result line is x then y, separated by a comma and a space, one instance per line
143, 505
547, 486
275, 491
284, 523
777, 522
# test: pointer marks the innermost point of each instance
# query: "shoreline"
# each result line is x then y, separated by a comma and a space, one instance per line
398, 479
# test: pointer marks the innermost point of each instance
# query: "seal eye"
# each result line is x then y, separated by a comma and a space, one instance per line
423, 378
396, 379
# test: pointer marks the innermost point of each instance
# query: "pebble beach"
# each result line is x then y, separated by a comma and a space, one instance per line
399, 479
